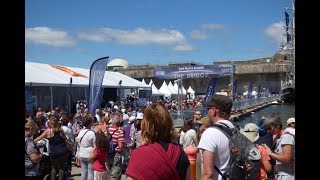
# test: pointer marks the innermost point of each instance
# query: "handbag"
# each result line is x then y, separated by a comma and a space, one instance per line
69, 144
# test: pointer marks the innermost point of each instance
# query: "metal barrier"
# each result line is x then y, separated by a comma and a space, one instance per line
179, 117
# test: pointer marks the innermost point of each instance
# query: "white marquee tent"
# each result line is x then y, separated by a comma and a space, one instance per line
172, 89
164, 89
192, 92
38, 74
53, 85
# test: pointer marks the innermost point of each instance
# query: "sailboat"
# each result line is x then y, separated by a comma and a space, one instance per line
288, 49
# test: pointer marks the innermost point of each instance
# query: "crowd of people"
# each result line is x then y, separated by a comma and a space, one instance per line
148, 146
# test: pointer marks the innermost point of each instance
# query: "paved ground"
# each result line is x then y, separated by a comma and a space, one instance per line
76, 173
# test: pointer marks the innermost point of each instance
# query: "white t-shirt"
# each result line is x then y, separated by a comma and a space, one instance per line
215, 141
291, 130
87, 142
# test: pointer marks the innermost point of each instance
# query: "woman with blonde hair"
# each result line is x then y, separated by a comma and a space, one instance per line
158, 157
32, 154
58, 149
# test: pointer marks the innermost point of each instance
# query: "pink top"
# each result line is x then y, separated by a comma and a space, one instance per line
99, 160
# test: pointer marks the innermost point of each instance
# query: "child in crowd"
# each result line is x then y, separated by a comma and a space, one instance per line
99, 156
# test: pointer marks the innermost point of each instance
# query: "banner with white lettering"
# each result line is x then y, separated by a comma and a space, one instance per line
97, 71
197, 71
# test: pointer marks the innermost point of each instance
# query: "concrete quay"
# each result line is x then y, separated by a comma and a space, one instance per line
235, 116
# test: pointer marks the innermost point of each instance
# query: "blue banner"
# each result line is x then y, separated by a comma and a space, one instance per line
249, 91
211, 89
97, 71
199, 71
286, 15
234, 91
28, 99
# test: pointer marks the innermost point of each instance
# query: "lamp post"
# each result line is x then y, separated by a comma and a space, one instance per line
119, 95
69, 105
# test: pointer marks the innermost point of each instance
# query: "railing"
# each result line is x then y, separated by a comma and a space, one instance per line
180, 117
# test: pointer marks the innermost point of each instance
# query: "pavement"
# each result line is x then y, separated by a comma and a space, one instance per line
76, 173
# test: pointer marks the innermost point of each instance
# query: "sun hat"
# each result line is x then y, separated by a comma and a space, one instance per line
139, 116
251, 131
291, 120
132, 119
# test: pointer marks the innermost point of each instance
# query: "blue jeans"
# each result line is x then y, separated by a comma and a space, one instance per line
86, 169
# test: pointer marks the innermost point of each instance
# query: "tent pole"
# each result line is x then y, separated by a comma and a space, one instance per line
51, 92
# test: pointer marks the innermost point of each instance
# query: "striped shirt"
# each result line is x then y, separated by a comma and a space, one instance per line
117, 137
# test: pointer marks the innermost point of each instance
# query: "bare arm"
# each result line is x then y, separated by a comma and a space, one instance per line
129, 178
43, 135
35, 157
285, 156
92, 155
208, 165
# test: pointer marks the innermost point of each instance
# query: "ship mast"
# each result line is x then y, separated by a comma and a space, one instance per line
288, 48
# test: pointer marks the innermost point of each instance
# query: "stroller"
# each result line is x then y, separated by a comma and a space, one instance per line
45, 162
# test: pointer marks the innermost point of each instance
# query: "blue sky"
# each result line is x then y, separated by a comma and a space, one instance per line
75, 33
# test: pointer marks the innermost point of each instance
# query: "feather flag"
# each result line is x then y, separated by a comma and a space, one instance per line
211, 89
250, 91
286, 18
97, 71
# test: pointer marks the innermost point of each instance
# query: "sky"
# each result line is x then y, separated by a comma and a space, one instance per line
75, 33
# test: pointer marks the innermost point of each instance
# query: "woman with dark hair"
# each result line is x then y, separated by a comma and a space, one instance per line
158, 157
99, 157
188, 136
86, 140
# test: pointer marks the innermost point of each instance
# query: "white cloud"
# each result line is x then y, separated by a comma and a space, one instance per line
183, 47
276, 31
137, 36
48, 36
207, 31
213, 26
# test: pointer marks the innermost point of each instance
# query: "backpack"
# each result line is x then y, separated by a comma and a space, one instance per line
111, 148
245, 158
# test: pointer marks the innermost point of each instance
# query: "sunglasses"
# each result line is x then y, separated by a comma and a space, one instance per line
198, 114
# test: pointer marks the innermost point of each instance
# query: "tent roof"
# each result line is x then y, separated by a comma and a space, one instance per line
172, 89
190, 90
164, 89
39, 74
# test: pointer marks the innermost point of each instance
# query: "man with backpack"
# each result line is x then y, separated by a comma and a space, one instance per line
114, 161
227, 154
214, 143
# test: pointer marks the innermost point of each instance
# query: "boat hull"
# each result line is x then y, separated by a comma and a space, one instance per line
288, 95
